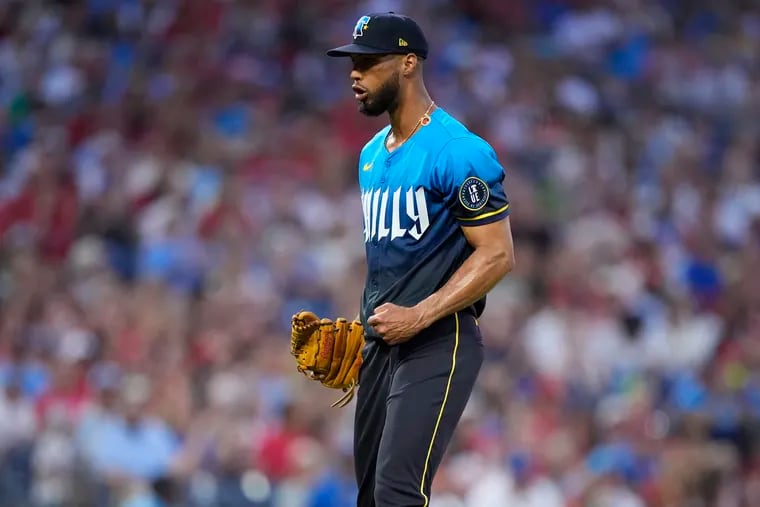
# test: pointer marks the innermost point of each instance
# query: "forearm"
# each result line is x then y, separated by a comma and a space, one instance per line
474, 278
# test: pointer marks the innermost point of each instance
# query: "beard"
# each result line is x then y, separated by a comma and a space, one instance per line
384, 99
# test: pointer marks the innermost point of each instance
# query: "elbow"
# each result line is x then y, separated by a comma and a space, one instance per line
505, 263
510, 264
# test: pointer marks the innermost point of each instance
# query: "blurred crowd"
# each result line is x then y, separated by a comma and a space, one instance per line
179, 176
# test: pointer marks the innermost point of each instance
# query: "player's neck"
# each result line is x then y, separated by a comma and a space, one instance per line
406, 118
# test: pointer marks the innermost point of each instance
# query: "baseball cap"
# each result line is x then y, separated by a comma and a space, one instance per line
385, 33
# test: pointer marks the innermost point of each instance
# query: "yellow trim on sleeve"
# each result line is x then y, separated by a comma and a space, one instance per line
440, 413
489, 214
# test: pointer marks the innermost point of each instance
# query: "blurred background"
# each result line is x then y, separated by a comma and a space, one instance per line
179, 176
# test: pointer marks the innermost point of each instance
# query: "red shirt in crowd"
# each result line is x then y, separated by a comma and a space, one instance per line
48, 207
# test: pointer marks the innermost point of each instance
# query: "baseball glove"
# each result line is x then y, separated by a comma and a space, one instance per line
328, 351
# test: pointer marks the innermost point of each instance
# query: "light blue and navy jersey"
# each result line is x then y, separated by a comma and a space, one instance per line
415, 201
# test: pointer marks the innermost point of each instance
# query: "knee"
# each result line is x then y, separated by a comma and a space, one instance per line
382, 492
390, 494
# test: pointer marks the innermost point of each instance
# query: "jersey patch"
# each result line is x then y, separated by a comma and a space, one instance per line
473, 194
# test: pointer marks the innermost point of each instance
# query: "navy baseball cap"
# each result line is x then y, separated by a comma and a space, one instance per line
385, 33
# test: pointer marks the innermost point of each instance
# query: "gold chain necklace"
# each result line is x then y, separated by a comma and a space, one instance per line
424, 120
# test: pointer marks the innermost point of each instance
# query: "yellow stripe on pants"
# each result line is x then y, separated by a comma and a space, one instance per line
440, 413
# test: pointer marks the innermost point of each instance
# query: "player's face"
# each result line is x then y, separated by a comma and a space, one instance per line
375, 82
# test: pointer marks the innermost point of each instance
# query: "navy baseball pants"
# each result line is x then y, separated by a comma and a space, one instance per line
409, 402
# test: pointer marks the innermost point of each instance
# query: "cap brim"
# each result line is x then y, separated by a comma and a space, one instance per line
356, 49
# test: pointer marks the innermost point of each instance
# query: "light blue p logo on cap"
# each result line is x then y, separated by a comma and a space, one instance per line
361, 25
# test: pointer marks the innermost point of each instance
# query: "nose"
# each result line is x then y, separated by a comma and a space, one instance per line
355, 75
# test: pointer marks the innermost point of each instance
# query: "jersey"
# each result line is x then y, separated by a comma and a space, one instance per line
415, 200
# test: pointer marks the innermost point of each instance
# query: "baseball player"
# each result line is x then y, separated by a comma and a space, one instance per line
437, 235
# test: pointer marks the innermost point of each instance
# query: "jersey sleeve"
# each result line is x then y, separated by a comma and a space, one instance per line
471, 180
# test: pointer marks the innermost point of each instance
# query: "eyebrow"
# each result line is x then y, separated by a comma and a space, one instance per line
366, 58
372, 60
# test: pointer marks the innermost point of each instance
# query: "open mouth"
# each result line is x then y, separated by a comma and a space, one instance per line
359, 93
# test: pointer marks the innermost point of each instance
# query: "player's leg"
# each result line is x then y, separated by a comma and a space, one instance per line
374, 382
429, 390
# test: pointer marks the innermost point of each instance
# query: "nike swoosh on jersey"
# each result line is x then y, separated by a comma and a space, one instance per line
367, 166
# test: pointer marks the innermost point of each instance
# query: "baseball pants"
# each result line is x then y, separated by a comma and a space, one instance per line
409, 402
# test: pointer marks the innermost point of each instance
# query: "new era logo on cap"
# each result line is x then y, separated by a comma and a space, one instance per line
385, 33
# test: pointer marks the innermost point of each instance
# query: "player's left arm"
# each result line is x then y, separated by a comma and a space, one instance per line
472, 178
492, 259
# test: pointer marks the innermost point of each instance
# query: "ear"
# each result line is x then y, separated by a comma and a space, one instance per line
410, 64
